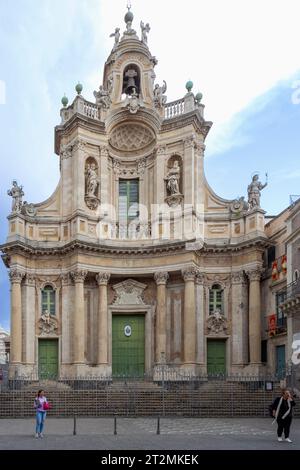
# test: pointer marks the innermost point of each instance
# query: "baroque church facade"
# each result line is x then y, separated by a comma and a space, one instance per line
134, 261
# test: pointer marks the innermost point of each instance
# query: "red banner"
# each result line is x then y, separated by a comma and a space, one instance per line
272, 324
284, 264
275, 273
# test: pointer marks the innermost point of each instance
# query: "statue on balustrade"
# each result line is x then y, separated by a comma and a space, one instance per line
116, 35
159, 97
102, 97
145, 30
16, 192
254, 189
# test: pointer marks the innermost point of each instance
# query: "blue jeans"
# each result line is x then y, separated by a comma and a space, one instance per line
40, 420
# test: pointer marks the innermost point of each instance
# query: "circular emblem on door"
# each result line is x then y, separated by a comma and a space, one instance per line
127, 330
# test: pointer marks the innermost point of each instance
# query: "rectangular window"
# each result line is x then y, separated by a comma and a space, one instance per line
271, 255
48, 300
128, 200
215, 299
280, 298
264, 351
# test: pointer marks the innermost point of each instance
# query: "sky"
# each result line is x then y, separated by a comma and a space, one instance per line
242, 55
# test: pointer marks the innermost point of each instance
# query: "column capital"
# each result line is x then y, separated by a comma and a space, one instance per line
161, 278
161, 149
79, 275
30, 279
104, 152
79, 144
189, 273
238, 277
16, 276
200, 277
65, 279
190, 142
102, 278
254, 274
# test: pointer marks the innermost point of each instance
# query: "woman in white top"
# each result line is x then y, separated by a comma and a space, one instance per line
41, 406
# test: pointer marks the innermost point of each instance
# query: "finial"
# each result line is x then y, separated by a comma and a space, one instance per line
198, 97
128, 5
79, 88
64, 101
189, 85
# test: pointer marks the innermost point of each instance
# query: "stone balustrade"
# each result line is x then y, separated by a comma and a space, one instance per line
174, 109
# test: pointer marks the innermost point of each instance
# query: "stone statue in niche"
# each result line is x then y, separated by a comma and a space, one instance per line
92, 184
116, 35
16, 192
145, 30
174, 197
102, 97
159, 97
254, 189
173, 178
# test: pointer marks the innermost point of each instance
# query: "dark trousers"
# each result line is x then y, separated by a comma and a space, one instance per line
284, 425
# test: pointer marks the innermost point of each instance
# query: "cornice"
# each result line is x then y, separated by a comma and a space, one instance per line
186, 119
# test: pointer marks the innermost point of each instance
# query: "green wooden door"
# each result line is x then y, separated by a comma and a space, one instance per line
48, 358
280, 361
216, 357
128, 345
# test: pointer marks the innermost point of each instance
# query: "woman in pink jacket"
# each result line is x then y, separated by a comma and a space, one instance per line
41, 406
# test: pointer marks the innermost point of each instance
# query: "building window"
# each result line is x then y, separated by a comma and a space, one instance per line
264, 351
271, 253
48, 300
216, 299
280, 318
128, 200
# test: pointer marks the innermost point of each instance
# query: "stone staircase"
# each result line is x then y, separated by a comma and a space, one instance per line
213, 398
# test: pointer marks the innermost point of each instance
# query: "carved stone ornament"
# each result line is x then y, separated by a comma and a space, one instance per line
29, 209
66, 152
79, 276
161, 278
48, 324
16, 276
238, 277
129, 292
129, 170
189, 273
254, 274
174, 200
131, 137
239, 205
217, 323
102, 278
133, 103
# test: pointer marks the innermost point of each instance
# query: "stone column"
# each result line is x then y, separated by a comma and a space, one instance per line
254, 276
161, 279
16, 317
239, 319
67, 332
189, 186
200, 317
79, 320
102, 355
29, 320
189, 322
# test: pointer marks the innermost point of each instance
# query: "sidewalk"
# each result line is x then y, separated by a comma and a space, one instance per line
140, 433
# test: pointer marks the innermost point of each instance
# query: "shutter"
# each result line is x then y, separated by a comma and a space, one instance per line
133, 194
123, 201
128, 200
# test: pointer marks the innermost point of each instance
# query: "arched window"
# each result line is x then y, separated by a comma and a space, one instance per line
48, 300
215, 299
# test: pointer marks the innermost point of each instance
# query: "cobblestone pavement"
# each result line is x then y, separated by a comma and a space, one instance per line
140, 433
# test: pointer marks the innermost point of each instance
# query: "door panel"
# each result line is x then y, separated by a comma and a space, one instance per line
128, 345
280, 361
216, 357
48, 358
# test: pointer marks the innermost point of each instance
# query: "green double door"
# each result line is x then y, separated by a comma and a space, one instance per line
128, 345
48, 358
216, 357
